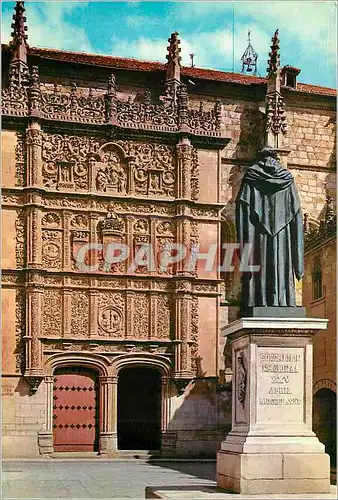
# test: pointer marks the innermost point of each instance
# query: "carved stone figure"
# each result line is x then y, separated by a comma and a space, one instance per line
241, 378
268, 216
101, 181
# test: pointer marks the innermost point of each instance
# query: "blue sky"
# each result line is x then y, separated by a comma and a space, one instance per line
140, 29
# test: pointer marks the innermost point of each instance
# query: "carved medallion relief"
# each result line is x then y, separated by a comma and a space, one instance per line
122, 167
51, 241
110, 315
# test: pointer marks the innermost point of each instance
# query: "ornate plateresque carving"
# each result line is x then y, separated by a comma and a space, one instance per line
74, 105
52, 313
152, 168
20, 330
141, 316
65, 160
111, 315
21, 238
79, 313
164, 329
51, 249
20, 159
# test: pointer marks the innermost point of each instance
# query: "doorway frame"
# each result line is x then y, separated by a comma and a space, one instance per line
101, 366
108, 370
159, 363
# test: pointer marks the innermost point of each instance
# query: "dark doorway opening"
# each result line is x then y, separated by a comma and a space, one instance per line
75, 409
139, 409
324, 420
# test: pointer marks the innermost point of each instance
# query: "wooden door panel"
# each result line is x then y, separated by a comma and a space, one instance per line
75, 410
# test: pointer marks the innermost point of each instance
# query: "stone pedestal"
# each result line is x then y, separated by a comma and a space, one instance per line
271, 447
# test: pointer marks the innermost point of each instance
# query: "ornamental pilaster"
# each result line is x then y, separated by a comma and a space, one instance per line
93, 308
66, 241
34, 237
34, 155
183, 300
184, 157
107, 398
67, 308
34, 301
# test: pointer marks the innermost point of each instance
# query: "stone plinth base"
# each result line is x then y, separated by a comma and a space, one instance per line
250, 474
271, 448
194, 491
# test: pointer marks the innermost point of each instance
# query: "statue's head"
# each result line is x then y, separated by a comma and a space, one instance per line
267, 151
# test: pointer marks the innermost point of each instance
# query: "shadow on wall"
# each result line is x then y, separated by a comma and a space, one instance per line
200, 417
22, 388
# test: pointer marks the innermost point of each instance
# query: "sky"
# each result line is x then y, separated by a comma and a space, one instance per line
140, 29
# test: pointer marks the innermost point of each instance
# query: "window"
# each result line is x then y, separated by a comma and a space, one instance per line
317, 279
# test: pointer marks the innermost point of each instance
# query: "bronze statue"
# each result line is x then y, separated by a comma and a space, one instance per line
268, 216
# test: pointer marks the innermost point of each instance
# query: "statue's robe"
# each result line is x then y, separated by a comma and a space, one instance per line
268, 215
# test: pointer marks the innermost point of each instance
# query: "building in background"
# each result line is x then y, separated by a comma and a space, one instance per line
319, 297
100, 149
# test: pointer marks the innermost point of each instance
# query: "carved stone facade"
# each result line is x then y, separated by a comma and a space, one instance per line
102, 165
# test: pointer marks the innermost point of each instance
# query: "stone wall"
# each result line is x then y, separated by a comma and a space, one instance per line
324, 343
23, 416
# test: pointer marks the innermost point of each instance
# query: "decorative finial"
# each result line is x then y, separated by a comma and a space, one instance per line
192, 55
274, 61
249, 58
174, 58
329, 211
18, 43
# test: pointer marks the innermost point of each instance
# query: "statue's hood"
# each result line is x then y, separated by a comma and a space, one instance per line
269, 190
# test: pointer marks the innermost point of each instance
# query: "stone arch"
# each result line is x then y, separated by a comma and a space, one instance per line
116, 147
160, 363
324, 418
228, 230
144, 360
93, 361
112, 172
231, 280
324, 384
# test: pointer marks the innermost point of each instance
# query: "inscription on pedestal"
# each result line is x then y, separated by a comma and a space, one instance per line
280, 384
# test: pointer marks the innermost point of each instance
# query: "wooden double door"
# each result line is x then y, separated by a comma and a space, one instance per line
75, 410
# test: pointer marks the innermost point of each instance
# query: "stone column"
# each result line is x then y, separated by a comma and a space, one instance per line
45, 437
67, 308
66, 241
129, 308
114, 413
183, 330
34, 240
165, 404
34, 155
34, 368
93, 309
271, 447
107, 438
184, 153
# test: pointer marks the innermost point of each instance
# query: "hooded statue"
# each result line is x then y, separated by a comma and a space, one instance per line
268, 216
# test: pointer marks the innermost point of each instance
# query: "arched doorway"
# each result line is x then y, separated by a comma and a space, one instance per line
75, 409
324, 420
139, 409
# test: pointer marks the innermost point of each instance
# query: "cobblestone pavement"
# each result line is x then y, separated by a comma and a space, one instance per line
75, 479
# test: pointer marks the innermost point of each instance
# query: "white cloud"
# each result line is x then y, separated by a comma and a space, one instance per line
212, 49
48, 26
142, 48
308, 31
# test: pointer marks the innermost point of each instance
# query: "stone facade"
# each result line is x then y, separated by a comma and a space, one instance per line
319, 297
101, 151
